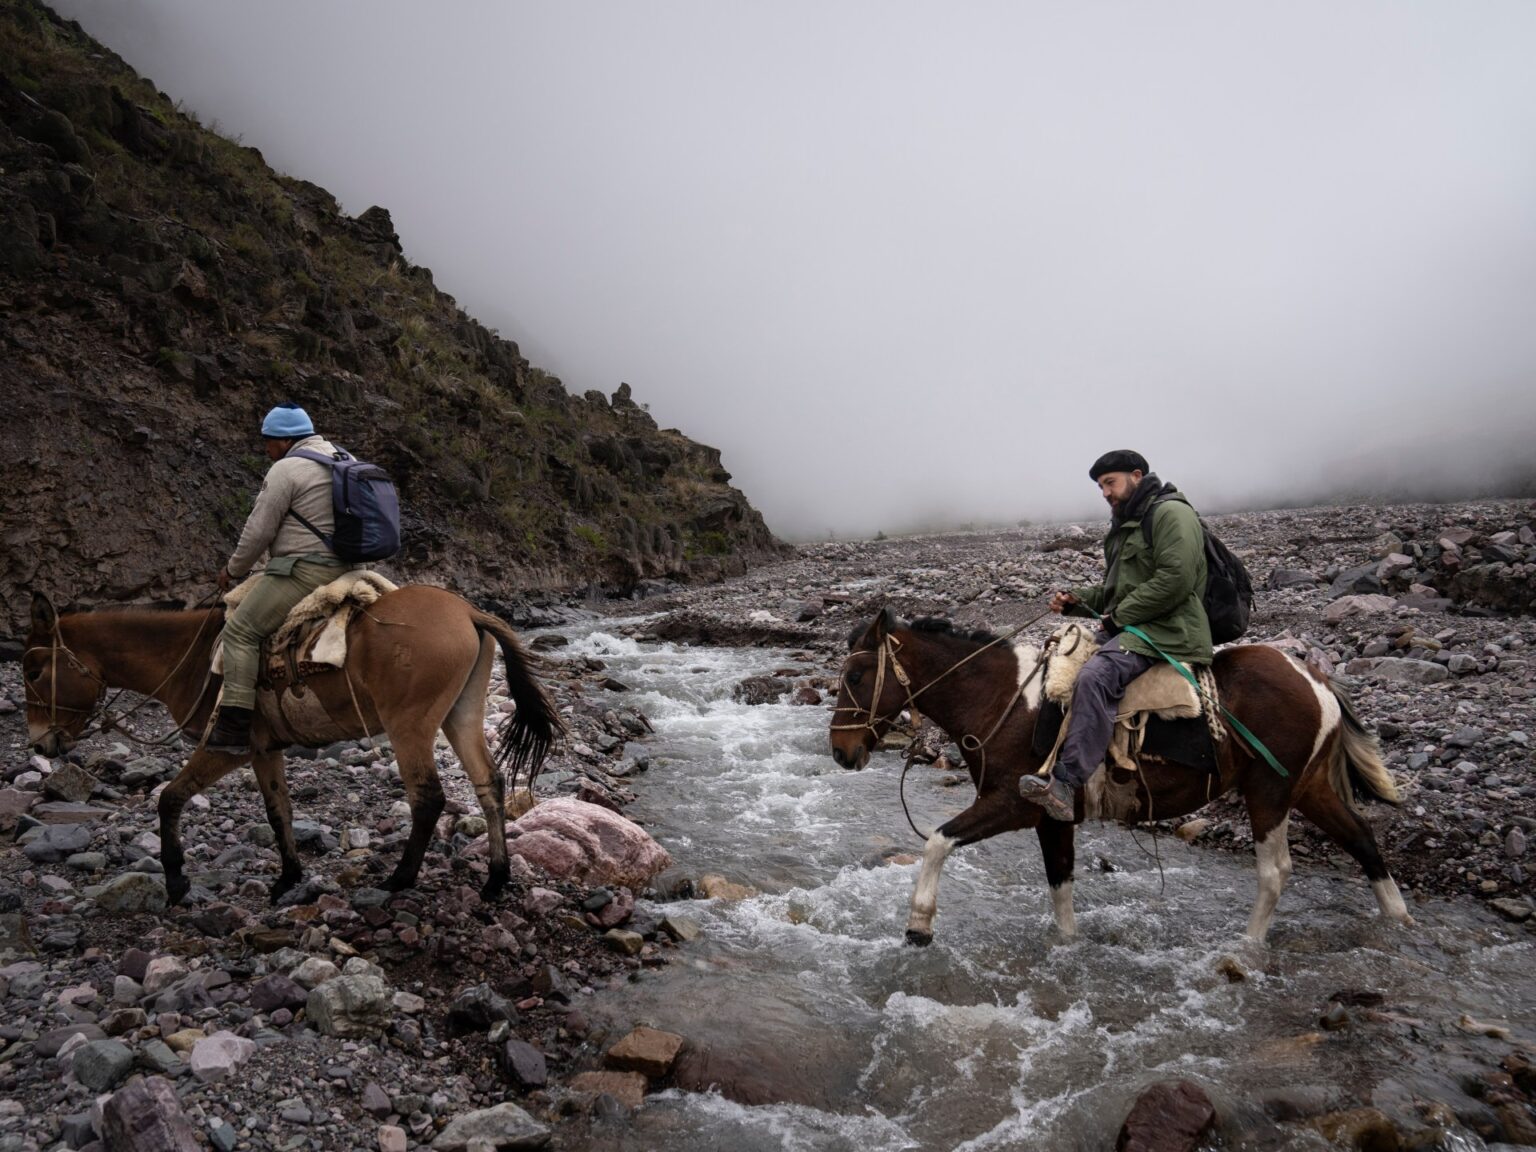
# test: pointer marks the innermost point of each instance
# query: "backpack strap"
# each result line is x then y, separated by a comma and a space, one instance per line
318, 458
324, 539
1146, 519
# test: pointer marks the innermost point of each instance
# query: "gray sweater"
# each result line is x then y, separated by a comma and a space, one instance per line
299, 484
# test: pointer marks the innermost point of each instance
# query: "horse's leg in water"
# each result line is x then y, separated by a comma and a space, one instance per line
1271, 820
203, 769
424, 793
1058, 846
465, 729
1349, 831
274, 794
991, 813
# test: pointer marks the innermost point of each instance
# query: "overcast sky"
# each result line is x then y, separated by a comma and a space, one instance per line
917, 261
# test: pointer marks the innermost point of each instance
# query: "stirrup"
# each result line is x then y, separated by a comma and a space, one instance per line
1057, 798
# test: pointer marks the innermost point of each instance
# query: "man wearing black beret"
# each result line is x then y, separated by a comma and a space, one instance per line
1156, 585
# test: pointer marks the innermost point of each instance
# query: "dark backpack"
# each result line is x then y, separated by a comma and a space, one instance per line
366, 505
1228, 597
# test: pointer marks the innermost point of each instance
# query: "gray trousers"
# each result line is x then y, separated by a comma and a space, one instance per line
260, 614
1095, 700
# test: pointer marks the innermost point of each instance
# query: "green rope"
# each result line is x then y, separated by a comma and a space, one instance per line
1242, 730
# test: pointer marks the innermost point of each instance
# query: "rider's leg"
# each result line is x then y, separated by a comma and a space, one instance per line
1095, 699
258, 615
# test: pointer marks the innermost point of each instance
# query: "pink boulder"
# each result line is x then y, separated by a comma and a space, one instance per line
572, 840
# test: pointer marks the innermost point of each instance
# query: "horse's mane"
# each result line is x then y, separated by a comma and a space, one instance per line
943, 625
937, 625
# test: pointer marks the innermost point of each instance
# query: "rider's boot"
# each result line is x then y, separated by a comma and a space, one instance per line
232, 733
1055, 796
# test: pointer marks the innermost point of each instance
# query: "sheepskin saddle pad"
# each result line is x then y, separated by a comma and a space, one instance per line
315, 633
1160, 714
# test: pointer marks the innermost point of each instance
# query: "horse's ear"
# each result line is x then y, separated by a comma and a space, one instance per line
44, 618
855, 634
884, 623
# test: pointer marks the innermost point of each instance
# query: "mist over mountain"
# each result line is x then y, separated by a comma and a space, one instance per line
907, 264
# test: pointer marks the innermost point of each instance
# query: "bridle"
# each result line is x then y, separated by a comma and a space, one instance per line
110, 721
55, 648
885, 653
885, 656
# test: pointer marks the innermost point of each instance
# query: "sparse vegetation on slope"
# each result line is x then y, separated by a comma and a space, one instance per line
161, 286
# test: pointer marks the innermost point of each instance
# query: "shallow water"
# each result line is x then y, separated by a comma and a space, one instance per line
1000, 1035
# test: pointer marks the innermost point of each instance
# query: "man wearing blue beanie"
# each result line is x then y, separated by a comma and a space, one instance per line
297, 563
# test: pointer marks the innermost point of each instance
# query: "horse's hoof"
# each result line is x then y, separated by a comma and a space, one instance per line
493, 888
399, 883
919, 939
281, 887
176, 888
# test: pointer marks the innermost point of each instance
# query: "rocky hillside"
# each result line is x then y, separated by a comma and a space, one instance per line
161, 286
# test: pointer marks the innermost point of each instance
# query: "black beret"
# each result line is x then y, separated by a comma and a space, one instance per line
1120, 460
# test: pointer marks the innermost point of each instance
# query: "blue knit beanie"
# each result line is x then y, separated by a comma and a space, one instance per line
287, 422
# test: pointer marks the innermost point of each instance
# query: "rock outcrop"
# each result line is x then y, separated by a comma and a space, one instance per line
163, 286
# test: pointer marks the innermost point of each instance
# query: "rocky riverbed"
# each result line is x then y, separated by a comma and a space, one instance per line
349, 1018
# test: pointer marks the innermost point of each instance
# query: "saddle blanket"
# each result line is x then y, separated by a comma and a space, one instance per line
316, 626
1160, 715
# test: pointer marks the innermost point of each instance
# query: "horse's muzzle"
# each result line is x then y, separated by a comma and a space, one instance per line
52, 744
856, 760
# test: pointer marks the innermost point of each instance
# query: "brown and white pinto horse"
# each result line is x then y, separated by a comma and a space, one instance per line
419, 660
968, 684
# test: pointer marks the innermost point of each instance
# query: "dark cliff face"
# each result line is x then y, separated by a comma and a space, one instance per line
161, 287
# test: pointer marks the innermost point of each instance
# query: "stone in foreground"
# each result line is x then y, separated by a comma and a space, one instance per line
145, 1116
628, 1088
573, 840
504, 1126
217, 1057
649, 1051
349, 1006
101, 1064
1169, 1117
132, 893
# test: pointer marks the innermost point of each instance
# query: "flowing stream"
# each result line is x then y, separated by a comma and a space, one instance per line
1000, 1035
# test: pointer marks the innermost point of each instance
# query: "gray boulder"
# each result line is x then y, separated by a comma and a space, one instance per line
504, 1126
1356, 580
349, 1006
69, 782
1398, 668
1289, 578
131, 894
101, 1064
58, 843
145, 1116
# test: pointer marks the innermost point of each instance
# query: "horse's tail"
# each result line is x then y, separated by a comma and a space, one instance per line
524, 737
1355, 767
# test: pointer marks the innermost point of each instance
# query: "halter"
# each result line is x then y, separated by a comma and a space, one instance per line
887, 652
884, 654
56, 646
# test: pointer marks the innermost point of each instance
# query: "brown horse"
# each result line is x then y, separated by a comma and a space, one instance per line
418, 660
969, 684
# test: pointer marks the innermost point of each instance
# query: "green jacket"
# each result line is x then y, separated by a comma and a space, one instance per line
1158, 588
